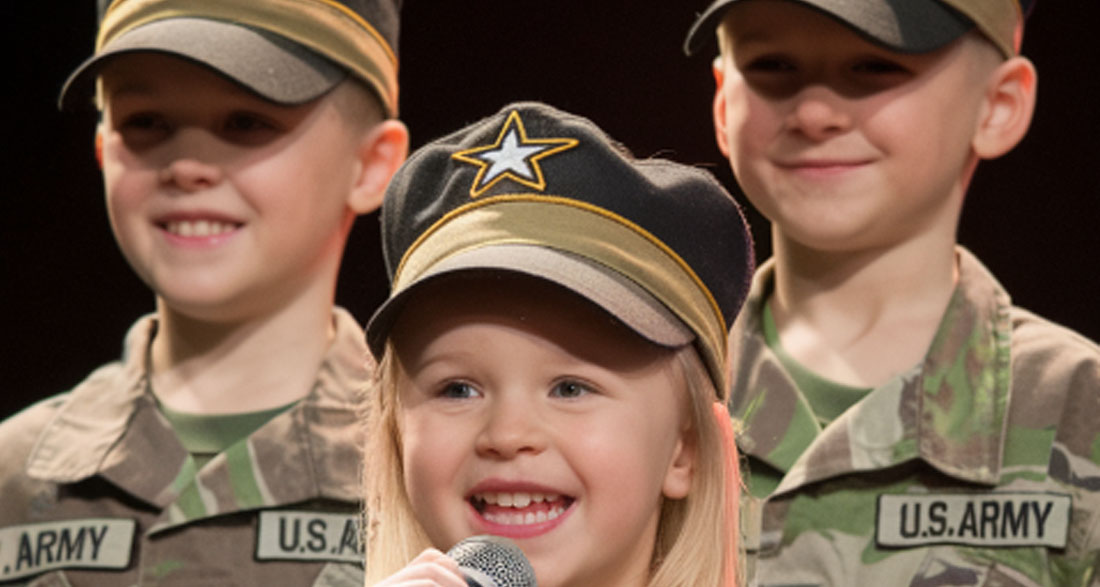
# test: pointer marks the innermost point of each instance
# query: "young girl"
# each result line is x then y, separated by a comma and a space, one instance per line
552, 360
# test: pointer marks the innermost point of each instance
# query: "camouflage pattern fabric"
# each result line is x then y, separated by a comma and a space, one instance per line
95, 488
977, 467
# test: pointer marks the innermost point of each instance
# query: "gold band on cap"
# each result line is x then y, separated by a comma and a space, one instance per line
594, 233
325, 26
1000, 20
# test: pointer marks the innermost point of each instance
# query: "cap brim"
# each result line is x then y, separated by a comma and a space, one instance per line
905, 26
702, 31
603, 286
272, 66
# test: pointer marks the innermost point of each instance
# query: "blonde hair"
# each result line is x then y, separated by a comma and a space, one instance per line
697, 536
696, 541
392, 535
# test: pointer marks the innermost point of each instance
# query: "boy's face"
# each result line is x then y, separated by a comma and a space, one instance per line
843, 144
527, 412
224, 203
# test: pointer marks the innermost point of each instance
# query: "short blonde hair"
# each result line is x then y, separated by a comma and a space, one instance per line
696, 538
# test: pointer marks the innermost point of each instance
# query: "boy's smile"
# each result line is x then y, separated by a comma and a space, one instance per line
842, 143
198, 229
208, 185
529, 413
198, 225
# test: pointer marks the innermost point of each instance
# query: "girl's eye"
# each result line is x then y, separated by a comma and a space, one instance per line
570, 389
458, 390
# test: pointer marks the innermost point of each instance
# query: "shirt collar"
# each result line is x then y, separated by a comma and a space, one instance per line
110, 426
948, 411
95, 414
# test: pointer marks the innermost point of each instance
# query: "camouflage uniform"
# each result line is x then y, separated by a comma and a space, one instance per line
95, 488
977, 467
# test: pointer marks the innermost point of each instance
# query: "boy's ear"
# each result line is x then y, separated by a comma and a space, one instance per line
100, 133
681, 470
719, 106
380, 153
99, 145
1008, 108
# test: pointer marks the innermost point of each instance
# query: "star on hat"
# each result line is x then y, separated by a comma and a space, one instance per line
512, 156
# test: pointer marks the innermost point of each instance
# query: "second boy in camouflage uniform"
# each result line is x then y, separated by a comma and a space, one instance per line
904, 423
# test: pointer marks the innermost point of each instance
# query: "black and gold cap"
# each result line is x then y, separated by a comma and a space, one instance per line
906, 26
287, 51
661, 246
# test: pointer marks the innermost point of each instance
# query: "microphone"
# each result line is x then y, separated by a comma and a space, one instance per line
492, 561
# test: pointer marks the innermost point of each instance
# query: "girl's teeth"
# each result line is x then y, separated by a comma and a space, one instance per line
516, 500
520, 518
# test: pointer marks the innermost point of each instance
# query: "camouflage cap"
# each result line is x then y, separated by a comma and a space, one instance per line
659, 245
906, 26
288, 51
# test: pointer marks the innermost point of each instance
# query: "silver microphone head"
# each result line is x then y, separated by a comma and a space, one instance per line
492, 561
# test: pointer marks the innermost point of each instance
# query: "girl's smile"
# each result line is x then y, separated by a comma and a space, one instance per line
518, 514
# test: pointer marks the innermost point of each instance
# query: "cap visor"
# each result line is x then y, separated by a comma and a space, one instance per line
905, 26
603, 286
267, 64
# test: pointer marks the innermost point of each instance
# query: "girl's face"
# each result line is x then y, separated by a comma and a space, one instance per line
529, 413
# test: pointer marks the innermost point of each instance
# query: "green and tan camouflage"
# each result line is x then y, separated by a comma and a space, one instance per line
95, 488
980, 466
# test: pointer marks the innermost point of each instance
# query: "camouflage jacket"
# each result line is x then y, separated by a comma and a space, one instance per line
977, 467
95, 488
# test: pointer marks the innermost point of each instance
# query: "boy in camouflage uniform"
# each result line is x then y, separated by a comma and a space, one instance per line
239, 140
904, 424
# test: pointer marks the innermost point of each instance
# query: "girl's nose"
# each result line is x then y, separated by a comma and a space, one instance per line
511, 428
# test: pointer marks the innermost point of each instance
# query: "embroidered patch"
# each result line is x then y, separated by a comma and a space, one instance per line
979, 519
90, 543
308, 536
513, 156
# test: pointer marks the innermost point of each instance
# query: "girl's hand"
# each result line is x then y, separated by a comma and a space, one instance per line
431, 568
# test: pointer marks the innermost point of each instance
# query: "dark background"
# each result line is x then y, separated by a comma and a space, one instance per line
69, 297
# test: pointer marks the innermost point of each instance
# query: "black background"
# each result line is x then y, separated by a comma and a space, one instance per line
68, 295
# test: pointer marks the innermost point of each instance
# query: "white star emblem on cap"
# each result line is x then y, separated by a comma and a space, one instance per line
512, 156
